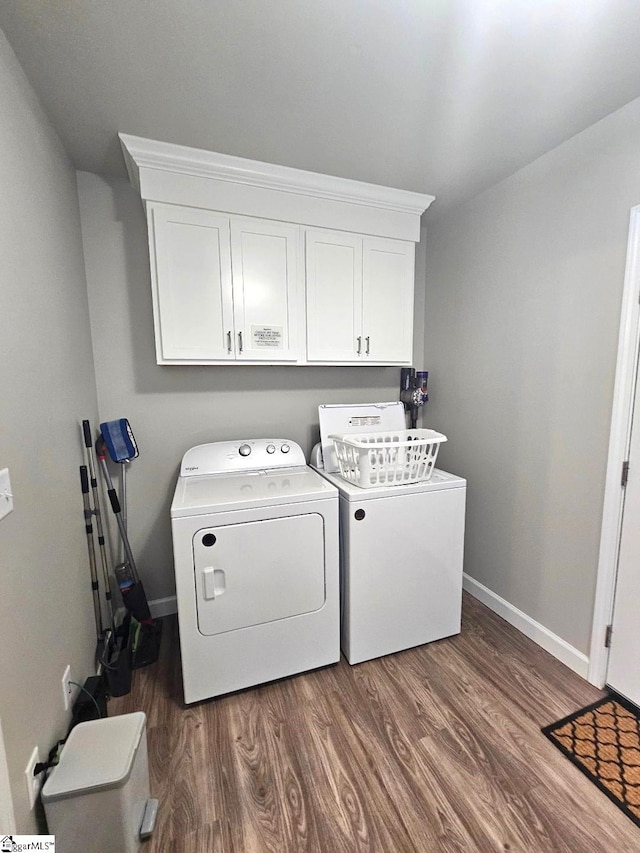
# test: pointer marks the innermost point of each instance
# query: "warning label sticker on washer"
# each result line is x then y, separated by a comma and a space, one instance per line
267, 337
365, 420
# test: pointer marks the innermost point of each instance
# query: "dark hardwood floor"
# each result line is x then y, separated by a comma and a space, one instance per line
433, 749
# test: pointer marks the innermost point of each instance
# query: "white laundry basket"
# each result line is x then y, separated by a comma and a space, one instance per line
387, 458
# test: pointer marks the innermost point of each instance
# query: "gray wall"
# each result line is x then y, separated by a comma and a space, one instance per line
47, 388
172, 408
524, 288
522, 310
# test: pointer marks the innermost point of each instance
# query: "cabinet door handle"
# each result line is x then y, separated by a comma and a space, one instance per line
367, 349
228, 341
359, 339
239, 341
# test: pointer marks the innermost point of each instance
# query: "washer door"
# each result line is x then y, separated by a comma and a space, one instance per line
258, 571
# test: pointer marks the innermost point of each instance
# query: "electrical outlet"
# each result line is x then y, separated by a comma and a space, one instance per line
67, 688
33, 782
6, 495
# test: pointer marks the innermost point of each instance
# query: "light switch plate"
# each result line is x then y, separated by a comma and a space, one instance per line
6, 495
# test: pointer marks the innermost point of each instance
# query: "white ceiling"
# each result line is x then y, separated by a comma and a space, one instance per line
438, 96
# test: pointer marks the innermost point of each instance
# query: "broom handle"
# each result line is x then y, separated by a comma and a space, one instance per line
115, 506
123, 492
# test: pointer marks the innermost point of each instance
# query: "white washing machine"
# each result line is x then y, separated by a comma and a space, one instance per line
255, 540
401, 546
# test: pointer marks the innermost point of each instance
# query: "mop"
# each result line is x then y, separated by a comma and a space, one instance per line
116, 656
117, 440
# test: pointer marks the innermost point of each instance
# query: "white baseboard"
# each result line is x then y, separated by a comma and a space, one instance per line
550, 642
163, 606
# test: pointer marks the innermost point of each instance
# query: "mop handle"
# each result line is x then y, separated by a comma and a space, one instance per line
84, 483
96, 511
101, 453
86, 429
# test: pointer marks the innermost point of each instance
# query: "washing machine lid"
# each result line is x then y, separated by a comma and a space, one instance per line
439, 480
214, 493
345, 419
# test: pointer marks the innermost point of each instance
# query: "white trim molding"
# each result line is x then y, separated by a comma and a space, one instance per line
550, 642
191, 177
619, 439
142, 153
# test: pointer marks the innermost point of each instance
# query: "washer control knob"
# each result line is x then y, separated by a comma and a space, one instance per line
285, 448
244, 450
271, 448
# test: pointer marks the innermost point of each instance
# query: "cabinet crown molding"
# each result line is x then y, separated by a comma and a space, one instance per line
146, 154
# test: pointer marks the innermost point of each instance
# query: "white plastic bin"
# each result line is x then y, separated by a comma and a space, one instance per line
95, 798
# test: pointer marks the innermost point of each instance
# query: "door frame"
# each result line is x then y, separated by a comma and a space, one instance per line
7, 818
619, 442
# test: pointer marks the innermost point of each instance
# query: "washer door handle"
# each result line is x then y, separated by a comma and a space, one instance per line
214, 582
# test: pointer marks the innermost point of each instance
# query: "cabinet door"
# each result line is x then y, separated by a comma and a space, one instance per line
191, 276
334, 296
387, 300
264, 258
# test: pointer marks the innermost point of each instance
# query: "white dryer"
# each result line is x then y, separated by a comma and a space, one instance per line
401, 546
255, 541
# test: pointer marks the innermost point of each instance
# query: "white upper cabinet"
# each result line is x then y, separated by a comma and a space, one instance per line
255, 263
264, 260
387, 299
224, 288
334, 295
190, 254
359, 298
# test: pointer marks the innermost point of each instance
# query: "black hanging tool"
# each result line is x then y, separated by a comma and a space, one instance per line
413, 391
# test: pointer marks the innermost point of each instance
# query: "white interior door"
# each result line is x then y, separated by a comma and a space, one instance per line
623, 673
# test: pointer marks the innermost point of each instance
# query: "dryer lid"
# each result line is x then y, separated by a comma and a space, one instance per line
348, 419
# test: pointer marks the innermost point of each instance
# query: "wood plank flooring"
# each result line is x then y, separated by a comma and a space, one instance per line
433, 749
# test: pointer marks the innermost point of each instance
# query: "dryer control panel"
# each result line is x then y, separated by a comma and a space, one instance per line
251, 454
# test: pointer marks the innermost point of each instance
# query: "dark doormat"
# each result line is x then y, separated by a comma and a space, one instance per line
603, 740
